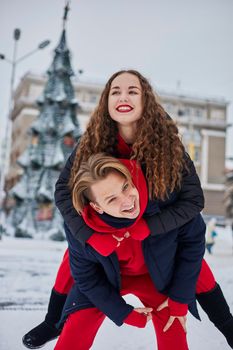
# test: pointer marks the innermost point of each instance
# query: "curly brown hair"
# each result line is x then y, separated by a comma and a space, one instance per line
157, 144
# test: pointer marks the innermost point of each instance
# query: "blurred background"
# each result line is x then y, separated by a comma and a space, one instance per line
54, 62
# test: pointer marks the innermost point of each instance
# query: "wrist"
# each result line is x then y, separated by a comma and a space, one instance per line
176, 308
136, 319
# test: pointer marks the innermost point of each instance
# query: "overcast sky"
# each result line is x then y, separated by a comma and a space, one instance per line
168, 41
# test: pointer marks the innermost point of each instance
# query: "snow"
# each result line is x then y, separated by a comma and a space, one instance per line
27, 272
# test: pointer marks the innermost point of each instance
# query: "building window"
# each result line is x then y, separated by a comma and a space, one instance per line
199, 112
217, 114
197, 154
180, 112
93, 98
192, 142
84, 97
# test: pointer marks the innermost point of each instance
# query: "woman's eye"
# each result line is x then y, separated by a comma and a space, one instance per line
111, 200
132, 92
115, 92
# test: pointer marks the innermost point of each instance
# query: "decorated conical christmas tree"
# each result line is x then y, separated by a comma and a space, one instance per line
53, 136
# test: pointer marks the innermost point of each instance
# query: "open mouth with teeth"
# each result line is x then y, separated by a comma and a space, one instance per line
124, 108
131, 209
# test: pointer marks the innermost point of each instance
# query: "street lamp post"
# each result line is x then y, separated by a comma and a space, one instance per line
6, 144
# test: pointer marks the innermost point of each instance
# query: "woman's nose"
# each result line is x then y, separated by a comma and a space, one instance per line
123, 98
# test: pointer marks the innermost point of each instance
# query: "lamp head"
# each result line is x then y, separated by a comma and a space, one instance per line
43, 44
17, 33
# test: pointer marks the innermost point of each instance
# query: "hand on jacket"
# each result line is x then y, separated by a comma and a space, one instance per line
178, 309
139, 317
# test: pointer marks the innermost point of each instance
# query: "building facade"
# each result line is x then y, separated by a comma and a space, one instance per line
201, 121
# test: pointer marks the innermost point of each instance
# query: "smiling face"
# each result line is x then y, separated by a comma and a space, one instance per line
125, 99
115, 196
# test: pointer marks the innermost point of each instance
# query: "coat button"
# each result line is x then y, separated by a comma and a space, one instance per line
74, 304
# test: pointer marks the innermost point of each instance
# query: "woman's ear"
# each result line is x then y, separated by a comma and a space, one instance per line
96, 208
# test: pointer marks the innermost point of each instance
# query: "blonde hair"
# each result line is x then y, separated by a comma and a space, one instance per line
96, 168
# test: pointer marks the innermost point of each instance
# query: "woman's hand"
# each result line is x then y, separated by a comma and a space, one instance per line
182, 319
146, 311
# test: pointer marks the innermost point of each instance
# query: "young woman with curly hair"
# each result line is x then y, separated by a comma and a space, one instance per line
144, 124
129, 122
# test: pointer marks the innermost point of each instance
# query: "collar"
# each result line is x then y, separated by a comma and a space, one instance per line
124, 150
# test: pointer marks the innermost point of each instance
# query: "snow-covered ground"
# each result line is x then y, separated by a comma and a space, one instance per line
27, 272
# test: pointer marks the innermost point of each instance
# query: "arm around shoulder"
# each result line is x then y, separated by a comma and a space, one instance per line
189, 202
63, 201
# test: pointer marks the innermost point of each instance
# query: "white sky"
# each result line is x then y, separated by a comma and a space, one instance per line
168, 41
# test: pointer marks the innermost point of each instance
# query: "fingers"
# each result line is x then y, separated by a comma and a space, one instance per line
169, 323
147, 311
163, 305
183, 320
127, 234
144, 310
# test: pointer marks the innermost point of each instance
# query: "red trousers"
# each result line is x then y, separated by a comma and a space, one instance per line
81, 327
64, 280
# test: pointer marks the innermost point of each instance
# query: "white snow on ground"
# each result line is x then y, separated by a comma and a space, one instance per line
27, 272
